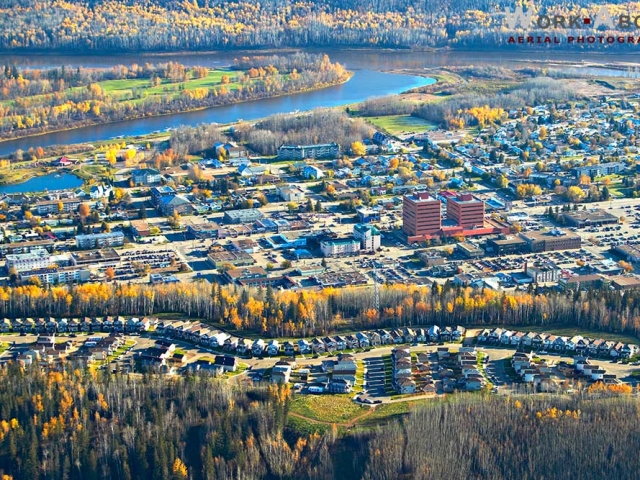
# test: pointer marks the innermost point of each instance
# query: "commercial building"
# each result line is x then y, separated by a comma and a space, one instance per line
218, 258
302, 152
549, 241
204, 230
466, 210
248, 215
421, 215
630, 253
140, 228
332, 248
290, 194
368, 215
593, 217
99, 240
368, 236
506, 245
469, 250
107, 257
238, 275
541, 272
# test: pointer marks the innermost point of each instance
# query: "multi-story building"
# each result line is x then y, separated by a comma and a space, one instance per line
368, 236
421, 215
58, 275
53, 206
332, 248
99, 240
157, 193
301, 152
145, 176
552, 240
466, 210
541, 272
34, 260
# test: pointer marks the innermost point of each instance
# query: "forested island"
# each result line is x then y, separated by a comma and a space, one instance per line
37, 101
162, 25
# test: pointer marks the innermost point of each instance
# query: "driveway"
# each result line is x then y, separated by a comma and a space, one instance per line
375, 377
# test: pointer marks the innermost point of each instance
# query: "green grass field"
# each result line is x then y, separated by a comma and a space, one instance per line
327, 408
398, 124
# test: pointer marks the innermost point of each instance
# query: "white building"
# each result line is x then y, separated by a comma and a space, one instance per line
58, 275
35, 260
332, 248
100, 240
291, 194
368, 236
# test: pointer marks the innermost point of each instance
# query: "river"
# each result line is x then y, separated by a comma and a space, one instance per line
369, 80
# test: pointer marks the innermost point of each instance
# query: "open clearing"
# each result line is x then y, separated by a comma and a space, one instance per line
397, 124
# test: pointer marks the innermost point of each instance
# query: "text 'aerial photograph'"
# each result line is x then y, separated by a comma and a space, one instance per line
319, 239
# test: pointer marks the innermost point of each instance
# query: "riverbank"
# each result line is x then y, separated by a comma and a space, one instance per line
89, 122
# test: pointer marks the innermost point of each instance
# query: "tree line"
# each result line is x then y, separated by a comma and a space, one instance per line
164, 25
317, 126
272, 313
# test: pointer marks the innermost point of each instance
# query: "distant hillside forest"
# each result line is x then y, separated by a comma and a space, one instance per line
35, 101
172, 25
273, 313
74, 424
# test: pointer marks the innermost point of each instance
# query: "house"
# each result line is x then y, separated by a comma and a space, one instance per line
99, 191
385, 337
318, 346
304, 346
227, 363
363, 340
273, 347
374, 339
352, 342
339, 385
406, 386
289, 348
244, 346
281, 374
312, 172
330, 344
409, 335
341, 343
434, 333
258, 347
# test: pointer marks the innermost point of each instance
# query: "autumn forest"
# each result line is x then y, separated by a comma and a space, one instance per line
35, 101
74, 424
272, 313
